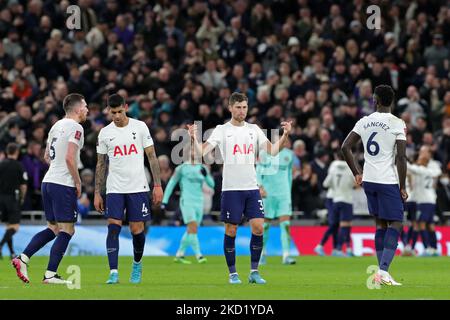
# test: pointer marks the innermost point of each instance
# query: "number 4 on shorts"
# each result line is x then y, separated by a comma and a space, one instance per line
144, 210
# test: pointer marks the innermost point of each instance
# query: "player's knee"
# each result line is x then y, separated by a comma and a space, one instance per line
231, 233
70, 229
231, 230
15, 227
54, 228
192, 227
258, 230
136, 228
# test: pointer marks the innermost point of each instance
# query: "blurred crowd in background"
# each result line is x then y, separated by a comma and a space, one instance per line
313, 62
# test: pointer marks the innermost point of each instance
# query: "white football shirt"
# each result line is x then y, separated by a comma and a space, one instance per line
411, 185
379, 133
61, 133
238, 146
340, 179
330, 191
426, 178
125, 149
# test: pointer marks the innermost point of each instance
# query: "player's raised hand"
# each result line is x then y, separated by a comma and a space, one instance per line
192, 130
287, 127
157, 195
98, 203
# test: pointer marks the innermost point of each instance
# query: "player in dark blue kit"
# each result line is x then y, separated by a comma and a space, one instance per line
239, 143
384, 138
60, 188
124, 142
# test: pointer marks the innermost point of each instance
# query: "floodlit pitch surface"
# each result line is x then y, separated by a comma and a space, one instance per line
311, 278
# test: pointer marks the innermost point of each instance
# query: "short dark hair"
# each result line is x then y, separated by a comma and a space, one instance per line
71, 100
115, 101
384, 95
237, 97
12, 148
13, 124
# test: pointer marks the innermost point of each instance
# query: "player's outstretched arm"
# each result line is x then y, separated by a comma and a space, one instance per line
274, 148
422, 170
346, 149
203, 149
156, 174
100, 181
71, 162
401, 163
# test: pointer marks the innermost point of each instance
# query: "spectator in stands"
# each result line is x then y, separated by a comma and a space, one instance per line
305, 191
418, 130
35, 166
364, 100
87, 183
413, 104
211, 78
438, 55
320, 164
300, 156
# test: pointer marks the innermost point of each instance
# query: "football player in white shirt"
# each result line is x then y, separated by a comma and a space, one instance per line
123, 142
384, 139
411, 211
333, 221
340, 180
239, 142
61, 187
427, 171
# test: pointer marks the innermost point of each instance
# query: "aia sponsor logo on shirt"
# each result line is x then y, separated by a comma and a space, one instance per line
78, 135
125, 150
243, 149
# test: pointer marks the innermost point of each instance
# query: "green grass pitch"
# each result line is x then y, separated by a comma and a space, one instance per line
311, 278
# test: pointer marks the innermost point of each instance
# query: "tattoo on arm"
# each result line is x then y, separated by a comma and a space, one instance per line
154, 164
100, 174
